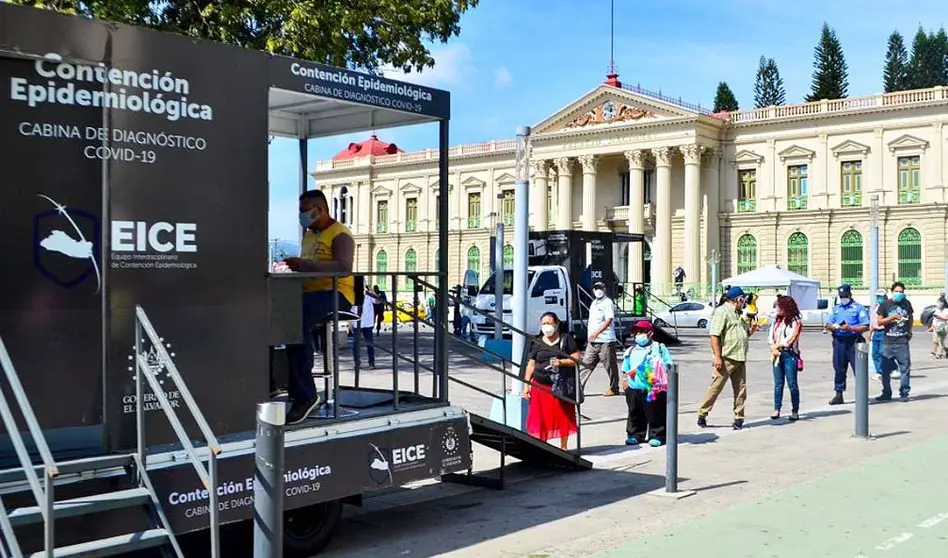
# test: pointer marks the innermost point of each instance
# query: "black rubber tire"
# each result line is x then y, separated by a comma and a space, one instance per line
307, 530
660, 323
702, 324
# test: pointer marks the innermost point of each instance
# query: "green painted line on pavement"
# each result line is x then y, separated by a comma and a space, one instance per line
893, 506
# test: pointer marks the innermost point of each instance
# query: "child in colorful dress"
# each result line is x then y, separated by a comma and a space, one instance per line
645, 368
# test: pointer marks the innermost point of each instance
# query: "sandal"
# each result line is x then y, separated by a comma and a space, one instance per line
775, 416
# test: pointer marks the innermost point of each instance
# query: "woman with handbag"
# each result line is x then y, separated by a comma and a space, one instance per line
785, 354
551, 368
939, 328
645, 383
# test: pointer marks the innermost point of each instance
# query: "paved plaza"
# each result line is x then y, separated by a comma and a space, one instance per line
775, 489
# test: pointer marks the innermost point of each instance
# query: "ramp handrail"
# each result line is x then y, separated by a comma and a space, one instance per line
208, 475
44, 498
527, 336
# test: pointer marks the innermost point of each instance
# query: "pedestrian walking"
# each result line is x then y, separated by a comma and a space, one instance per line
730, 335
898, 316
601, 339
848, 321
878, 336
645, 382
381, 302
939, 328
363, 326
552, 352
785, 354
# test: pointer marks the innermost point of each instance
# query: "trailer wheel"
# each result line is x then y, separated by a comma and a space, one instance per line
307, 530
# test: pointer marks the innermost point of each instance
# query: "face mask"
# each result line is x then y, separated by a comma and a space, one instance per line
599, 293
548, 329
898, 297
845, 301
306, 219
641, 339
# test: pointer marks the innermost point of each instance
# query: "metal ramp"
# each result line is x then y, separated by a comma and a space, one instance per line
523, 446
40, 481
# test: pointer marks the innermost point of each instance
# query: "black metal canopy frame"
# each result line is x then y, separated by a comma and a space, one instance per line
309, 100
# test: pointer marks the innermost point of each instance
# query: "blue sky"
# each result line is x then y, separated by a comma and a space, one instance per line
518, 61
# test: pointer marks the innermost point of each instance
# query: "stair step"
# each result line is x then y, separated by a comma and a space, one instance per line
99, 463
111, 546
83, 506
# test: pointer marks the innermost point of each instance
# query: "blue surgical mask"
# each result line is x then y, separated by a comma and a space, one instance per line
898, 297
306, 219
880, 299
641, 339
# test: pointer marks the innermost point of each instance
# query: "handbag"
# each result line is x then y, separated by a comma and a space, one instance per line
565, 381
799, 363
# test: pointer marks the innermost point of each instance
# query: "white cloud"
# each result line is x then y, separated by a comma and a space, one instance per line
502, 77
453, 66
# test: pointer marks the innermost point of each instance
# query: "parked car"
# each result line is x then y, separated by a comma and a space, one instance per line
685, 314
406, 312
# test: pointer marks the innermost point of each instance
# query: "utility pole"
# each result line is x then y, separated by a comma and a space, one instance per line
520, 246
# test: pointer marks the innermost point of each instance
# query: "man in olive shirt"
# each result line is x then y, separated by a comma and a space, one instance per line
730, 333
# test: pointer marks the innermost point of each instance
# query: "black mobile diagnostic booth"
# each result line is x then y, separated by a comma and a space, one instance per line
133, 238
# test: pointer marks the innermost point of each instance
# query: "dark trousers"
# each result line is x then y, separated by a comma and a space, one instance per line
844, 356
896, 354
317, 306
646, 418
785, 372
877, 360
368, 336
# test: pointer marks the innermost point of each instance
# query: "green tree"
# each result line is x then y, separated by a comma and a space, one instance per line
768, 87
941, 42
346, 33
895, 73
724, 99
831, 73
926, 66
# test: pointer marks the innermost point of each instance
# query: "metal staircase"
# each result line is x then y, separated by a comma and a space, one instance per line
41, 481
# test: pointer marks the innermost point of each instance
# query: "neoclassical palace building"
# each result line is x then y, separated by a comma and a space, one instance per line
789, 185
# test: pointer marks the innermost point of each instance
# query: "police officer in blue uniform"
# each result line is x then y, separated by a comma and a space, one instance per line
848, 322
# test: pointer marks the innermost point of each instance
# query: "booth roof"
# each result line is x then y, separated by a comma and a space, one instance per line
372, 146
769, 276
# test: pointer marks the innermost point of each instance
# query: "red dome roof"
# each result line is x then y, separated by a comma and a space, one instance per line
372, 146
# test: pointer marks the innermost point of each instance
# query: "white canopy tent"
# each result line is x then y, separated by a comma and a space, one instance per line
804, 290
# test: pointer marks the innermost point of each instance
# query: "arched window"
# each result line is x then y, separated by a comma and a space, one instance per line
343, 215
910, 256
746, 253
411, 264
381, 266
851, 258
798, 254
474, 261
508, 256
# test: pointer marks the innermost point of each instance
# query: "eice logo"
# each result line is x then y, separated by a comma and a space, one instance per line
402, 456
162, 237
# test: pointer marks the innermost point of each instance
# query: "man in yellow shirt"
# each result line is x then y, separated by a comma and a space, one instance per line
327, 246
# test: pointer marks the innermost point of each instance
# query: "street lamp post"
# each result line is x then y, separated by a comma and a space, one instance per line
521, 235
873, 250
714, 258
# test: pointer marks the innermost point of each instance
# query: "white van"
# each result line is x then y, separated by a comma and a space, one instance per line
548, 291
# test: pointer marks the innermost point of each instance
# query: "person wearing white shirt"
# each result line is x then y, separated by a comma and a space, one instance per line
365, 325
601, 341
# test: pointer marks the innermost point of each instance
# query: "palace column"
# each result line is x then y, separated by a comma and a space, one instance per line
692, 236
661, 247
712, 193
636, 160
589, 163
539, 195
564, 193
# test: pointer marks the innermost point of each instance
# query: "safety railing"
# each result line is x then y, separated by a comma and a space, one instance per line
508, 362
647, 309
400, 315
43, 493
623, 319
209, 474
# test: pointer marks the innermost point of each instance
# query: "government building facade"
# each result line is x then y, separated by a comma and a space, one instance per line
790, 185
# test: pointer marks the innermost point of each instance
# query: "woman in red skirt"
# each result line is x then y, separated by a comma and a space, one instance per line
548, 416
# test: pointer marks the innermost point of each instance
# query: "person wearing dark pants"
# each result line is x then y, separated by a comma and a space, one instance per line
897, 316
327, 246
878, 337
645, 382
848, 321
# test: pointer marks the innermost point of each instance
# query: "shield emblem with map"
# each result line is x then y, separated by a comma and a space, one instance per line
66, 247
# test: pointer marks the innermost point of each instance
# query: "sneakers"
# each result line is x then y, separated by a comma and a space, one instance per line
300, 410
631, 441
655, 442
882, 398
904, 398
702, 421
838, 400
738, 424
